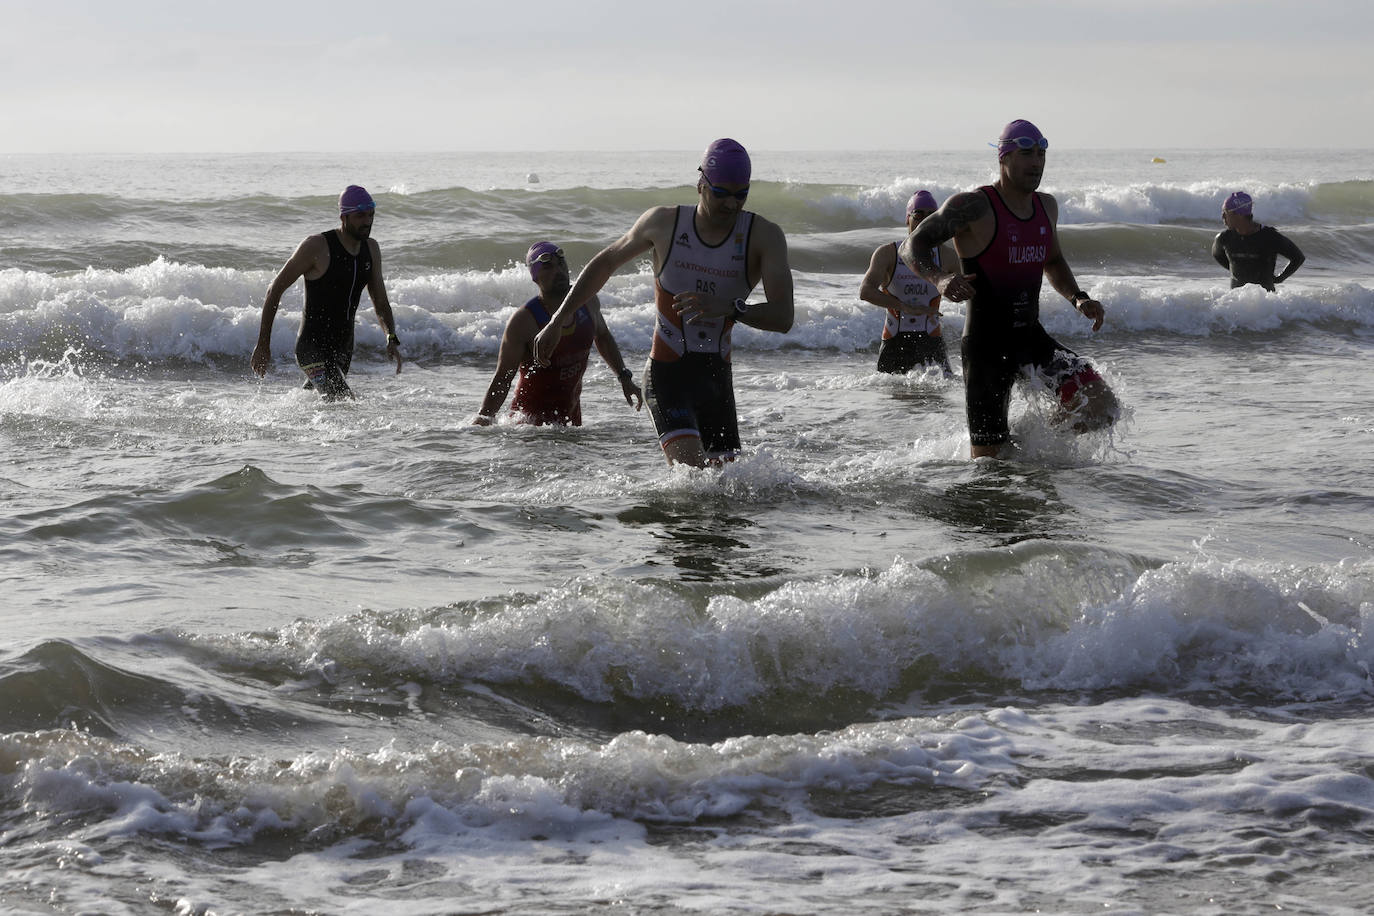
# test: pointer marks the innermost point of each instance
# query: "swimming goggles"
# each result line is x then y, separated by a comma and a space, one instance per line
547, 257
721, 193
1022, 143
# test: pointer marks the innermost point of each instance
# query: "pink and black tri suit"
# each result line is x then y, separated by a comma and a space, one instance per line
1003, 337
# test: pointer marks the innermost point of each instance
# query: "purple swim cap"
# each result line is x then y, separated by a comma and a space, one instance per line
1239, 202
1014, 131
921, 200
726, 162
540, 248
355, 199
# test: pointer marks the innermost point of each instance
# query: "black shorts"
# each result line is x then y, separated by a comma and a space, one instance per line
908, 349
993, 363
325, 369
694, 396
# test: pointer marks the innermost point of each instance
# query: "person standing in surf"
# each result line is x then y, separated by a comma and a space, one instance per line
707, 257
1006, 239
552, 393
1251, 251
911, 331
337, 265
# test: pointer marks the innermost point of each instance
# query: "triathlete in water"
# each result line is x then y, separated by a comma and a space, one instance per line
708, 257
337, 265
911, 331
1251, 251
552, 393
1004, 234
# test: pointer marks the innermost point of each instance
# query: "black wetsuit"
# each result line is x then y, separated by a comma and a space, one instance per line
324, 347
1252, 258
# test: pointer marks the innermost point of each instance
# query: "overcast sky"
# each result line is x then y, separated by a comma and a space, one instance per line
246, 76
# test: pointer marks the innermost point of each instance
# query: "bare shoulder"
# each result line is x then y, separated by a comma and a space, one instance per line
522, 325
310, 258
769, 232
966, 206
658, 218
654, 228
1050, 204
315, 244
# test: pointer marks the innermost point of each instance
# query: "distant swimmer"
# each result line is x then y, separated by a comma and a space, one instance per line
1006, 239
911, 332
337, 265
1251, 251
707, 258
552, 393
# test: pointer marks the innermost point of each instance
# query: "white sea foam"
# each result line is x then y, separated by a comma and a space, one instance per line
1144, 203
167, 311
565, 813
1165, 203
1057, 622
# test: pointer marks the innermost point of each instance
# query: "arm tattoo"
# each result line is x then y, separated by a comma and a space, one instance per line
941, 226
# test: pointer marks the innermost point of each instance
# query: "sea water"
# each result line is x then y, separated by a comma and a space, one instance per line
260, 654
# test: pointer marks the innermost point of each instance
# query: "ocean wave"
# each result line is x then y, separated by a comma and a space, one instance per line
165, 312
522, 789
739, 825
1047, 618
1339, 203
1041, 615
598, 215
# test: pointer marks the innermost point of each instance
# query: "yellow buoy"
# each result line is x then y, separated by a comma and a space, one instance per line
1158, 159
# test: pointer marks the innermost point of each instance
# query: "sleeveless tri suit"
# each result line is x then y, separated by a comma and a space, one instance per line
553, 393
689, 388
324, 346
1003, 338
911, 340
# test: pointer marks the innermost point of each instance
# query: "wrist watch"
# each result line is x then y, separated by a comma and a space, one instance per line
625, 374
741, 307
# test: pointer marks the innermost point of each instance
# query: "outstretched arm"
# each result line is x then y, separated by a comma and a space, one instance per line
305, 257
610, 352
515, 347
647, 230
